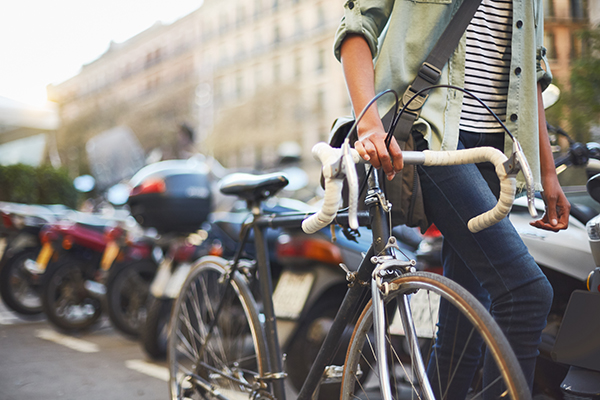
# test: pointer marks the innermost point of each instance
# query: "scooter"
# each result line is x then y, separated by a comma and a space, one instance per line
565, 256
577, 344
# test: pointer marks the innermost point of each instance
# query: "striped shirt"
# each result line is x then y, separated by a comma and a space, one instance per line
487, 66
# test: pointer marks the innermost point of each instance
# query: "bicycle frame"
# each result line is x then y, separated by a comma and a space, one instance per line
376, 217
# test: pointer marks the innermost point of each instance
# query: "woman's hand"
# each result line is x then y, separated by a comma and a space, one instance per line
371, 147
558, 208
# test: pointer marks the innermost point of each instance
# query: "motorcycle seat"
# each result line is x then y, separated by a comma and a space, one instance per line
93, 227
253, 187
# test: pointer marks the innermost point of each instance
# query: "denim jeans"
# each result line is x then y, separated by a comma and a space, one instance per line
494, 264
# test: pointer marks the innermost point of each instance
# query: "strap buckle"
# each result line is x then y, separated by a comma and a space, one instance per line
417, 103
430, 73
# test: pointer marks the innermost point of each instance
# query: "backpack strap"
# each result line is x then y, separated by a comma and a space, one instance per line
431, 69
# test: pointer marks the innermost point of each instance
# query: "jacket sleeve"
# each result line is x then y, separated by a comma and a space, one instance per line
544, 75
363, 17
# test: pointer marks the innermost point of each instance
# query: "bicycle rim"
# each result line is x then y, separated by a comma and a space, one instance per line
479, 338
226, 361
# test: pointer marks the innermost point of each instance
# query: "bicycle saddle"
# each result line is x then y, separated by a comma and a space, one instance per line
253, 187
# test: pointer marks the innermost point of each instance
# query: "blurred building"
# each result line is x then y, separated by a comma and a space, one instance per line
237, 78
563, 20
245, 76
146, 84
27, 133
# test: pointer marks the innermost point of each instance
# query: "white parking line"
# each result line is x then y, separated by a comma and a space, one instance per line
67, 341
7, 318
152, 370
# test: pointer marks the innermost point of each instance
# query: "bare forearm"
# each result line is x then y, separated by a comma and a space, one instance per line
358, 72
556, 216
546, 159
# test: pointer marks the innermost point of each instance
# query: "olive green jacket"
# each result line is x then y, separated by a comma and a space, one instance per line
401, 34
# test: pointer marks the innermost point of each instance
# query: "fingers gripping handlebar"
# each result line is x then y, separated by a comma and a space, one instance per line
338, 163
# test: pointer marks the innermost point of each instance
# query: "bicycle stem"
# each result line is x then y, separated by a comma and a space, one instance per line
380, 229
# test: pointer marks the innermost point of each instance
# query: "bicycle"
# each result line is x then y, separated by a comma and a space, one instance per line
223, 332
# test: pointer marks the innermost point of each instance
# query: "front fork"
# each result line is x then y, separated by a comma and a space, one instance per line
389, 266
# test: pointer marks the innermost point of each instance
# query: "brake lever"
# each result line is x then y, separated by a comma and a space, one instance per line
352, 179
518, 162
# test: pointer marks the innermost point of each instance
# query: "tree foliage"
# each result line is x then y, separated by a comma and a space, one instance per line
22, 183
580, 104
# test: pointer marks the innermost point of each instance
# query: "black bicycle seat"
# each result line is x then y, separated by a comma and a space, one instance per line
253, 187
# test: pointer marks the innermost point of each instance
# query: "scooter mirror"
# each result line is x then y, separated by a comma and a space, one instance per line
593, 187
84, 183
550, 96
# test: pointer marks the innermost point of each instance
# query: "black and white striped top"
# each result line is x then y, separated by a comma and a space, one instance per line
487, 67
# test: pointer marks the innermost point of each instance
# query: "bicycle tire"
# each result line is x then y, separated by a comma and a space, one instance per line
494, 341
235, 352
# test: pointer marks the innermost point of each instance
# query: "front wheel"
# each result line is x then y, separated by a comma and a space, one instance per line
20, 289
479, 334
65, 300
216, 342
155, 330
127, 290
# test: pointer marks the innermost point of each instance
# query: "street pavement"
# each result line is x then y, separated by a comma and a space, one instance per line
39, 362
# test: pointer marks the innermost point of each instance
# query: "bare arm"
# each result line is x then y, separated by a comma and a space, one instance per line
357, 65
556, 216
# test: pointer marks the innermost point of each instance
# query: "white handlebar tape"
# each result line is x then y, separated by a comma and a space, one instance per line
475, 155
329, 158
333, 188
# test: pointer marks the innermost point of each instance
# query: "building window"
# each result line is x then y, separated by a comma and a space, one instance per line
239, 86
320, 61
320, 16
276, 34
549, 43
276, 71
548, 8
320, 102
223, 23
240, 16
298, 66
578, 9
257, 8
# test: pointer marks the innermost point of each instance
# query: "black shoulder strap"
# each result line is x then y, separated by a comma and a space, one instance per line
431, 69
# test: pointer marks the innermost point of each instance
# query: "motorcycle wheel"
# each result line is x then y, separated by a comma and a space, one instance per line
155, 332
65, 300
20, 289
127, 290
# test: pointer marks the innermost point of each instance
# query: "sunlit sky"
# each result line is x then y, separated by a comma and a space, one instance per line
47, 41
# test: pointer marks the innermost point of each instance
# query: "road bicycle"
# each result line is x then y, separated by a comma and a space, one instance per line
223, 339
223, 333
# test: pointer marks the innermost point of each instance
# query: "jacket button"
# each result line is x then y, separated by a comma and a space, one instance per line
514, 117
518, 71
351, 5
519, 24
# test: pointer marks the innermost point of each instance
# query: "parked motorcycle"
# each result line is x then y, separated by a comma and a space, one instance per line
73, 264
136, 259
20, 287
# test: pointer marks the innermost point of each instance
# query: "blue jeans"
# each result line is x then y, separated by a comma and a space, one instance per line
494, 264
